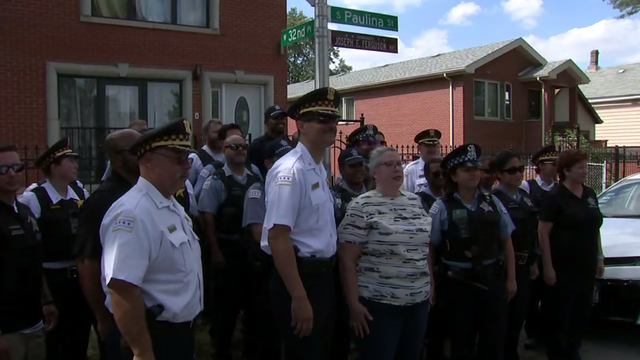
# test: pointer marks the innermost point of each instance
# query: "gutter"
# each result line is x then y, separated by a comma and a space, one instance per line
544, 109
450, 109
613, 99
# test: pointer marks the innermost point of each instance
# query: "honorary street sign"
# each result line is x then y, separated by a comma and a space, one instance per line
363, 18
297, 33
351, 40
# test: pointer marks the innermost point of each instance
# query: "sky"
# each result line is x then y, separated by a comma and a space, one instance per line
557, 29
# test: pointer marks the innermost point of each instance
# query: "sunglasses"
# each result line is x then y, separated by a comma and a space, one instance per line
513, 170
237, 147
392, 164
17, 168
322, 120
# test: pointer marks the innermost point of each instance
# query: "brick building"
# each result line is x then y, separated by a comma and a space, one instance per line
501, 94
80, 68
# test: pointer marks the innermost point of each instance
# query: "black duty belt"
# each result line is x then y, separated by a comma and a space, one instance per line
521, 258
315, 265
70, 272
187, 325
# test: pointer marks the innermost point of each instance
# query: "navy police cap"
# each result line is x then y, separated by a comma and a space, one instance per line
465, 155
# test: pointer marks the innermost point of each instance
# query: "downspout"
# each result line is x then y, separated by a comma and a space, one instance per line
544, 110
450, 109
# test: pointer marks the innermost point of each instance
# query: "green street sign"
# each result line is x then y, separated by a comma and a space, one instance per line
297, 33
363, 19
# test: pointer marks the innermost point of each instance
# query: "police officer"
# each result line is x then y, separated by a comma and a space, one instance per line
151, 264
209, 153
24, 296
509, 169
124, 174
471, 231
138, 125
222, 205
429, 144
275, 123
300, 231
252, 220
433, 174
364, 140
538, 188
352, 169
55, 204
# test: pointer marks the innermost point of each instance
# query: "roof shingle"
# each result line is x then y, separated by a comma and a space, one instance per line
614, 81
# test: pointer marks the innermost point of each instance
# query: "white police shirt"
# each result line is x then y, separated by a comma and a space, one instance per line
148, 241
414, 179
298, 196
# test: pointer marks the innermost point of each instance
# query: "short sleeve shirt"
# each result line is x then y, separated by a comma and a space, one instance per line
254, 205
414, 179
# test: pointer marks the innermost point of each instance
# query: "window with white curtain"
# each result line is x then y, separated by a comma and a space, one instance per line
163, 103
177, 12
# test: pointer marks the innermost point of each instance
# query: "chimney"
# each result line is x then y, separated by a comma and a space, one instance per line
593, 60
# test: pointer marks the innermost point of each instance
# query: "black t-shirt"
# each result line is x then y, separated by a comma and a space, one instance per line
576, 229
88, 243
257, 148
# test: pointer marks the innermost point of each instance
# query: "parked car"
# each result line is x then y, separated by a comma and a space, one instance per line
617, 294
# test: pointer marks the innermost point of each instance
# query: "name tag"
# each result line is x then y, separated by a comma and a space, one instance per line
315, 186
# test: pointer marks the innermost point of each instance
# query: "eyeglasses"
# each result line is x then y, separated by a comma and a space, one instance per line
179, 159
237, 147
392, 164
17, 168
513, 170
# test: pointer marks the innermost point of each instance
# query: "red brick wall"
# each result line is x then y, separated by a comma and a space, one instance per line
37, 31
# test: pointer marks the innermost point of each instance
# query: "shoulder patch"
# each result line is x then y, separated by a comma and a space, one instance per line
124, 223
205, 173
207, 184
284, 179
434, 208
254, 194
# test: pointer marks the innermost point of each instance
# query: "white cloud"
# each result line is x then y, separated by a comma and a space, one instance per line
610, 37
429, 42
525, 11
397, 5
460, 14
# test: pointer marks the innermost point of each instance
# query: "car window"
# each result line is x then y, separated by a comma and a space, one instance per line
621, 201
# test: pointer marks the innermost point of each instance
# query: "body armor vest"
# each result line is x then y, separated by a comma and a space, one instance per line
525, 218
228, 220
20, 269
58, 224
536, 193
342, 199
471, 236
427, 200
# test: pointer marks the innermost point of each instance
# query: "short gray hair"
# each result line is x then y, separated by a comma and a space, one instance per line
376, 155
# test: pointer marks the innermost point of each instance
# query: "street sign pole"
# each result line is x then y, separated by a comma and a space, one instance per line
322, 40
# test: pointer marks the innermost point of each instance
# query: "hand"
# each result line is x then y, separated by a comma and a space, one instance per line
549, 275
301, 316
217, 259
512, 289
50, 317
534, 271
359, 316
600, 268
4, 349
432, 296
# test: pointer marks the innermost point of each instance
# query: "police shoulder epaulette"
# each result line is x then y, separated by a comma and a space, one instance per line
487, 196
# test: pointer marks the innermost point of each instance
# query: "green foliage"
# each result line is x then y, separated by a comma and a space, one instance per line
301, 55
571, 138
626, 7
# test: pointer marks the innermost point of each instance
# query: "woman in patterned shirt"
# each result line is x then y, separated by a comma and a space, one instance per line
384, 267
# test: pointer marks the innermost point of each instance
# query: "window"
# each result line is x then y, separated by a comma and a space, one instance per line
486, 96
215, 104
507, 101
242, 115
176, 12
348, 108
621, 201
535, 104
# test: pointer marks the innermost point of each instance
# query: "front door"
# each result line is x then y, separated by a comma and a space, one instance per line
244, 105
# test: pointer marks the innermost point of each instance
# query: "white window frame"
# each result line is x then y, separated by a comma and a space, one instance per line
486, 99
504, 100
343, 108
213, 26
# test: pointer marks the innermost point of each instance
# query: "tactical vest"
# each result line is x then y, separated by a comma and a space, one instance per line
525, 218
471, 236
342, 199
536, 193
427, 200
58, 224
20, 270
228, 220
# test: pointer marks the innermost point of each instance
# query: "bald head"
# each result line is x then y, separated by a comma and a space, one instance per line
138, 125
120, 140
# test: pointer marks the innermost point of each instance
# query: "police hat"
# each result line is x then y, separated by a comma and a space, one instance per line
274, 112
277, 148
465, 155
350, 156
428, 137
175, 135
59, 149
362, 133
322, 102
547, 153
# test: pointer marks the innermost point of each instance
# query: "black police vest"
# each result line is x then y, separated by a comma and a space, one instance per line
58, 224
342, 199
525, 218
183, 198
228, 220
427, 200
536, 193
471, 236
20, 269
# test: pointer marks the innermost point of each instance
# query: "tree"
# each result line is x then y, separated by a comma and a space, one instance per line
301, 57
626, 7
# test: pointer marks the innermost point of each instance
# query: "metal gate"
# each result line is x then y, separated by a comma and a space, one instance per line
597, 176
